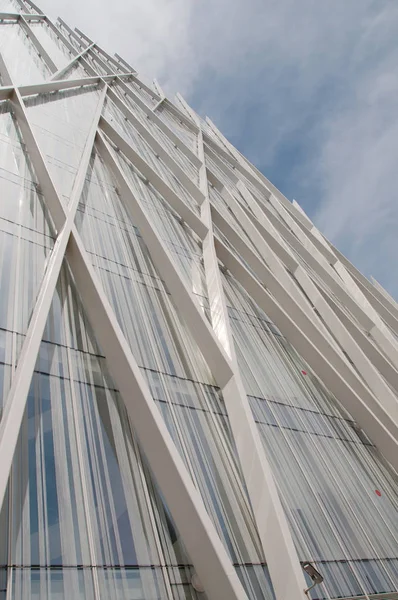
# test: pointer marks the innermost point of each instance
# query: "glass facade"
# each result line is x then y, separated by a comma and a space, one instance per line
83, 516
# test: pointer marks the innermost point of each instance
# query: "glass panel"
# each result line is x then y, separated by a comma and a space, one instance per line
117, 249
25, 244
61, 122
54, 47
339, 496
9, 6
76, 71
138, 89
81, 491
20, 56
177, 125
159, 134
179, 379
43, 584
126, 129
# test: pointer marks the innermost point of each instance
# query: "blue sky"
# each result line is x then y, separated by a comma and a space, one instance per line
306, 89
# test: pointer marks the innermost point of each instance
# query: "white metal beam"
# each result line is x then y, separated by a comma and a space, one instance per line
115, 63
161, 257
72, 34
264, 497
157, 147
384, 292
348, 343
160, 123
211, 562
63, 221
273, 529
53, 86
286, 321
99, 60
35, 7
209, 557
186, 213
267, 186
388, 414
35, 41
123, 62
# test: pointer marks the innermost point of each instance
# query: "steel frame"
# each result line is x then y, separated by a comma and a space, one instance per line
356, 319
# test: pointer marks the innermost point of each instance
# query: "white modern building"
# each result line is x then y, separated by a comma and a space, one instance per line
199, 392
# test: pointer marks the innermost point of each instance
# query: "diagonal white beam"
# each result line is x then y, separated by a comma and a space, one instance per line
96, 58
165, 265
17, 396
267, 186
124, 63
204, 546
157, 147
59, 33
158, 88
383, 292
66, 68
386, 413
271, 258
372, 351
356, 352
35, 7
342, 284
269, 515
5, 75
35, 41
160, 123
382, 303
331, 376
115, 63
214, 568
305, 248
186, 213
72, 34
84, 37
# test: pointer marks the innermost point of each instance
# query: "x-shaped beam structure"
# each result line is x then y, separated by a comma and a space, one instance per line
344, 327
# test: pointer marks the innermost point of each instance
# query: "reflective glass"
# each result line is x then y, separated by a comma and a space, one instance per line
340, 497
81, 492
61, 122
26, 241
51, 43
180, 381
22, 60
178, 126
139, 144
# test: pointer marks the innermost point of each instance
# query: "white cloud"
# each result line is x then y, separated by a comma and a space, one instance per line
358, 164
321, 72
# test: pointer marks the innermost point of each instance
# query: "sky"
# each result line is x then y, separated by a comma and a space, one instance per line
307, 90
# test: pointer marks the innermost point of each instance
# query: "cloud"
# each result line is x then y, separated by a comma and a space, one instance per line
307, 90
357, 167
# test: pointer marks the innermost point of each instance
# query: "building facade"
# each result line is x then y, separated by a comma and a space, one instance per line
199, 392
